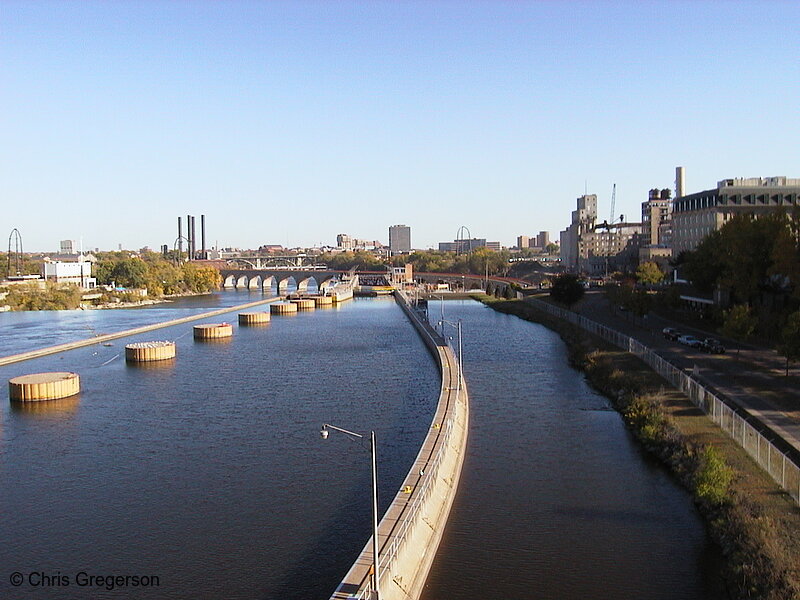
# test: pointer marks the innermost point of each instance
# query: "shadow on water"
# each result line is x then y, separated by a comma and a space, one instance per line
326, 561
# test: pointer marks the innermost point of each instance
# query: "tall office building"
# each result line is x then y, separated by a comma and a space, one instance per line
399, 239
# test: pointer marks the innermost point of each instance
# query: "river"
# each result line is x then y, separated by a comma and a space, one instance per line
209, 471
556, 500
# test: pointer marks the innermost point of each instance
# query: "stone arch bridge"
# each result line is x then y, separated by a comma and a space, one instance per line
264, 279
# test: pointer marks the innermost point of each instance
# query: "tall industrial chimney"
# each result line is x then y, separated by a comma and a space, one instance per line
203, 237
189, 236
680, 182
180, 237
194, 241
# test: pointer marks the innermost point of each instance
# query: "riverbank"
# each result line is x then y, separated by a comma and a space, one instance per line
753, 521
143, 302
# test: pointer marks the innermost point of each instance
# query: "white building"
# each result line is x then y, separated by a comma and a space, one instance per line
78, 273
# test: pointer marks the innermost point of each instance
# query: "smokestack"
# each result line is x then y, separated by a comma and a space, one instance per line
680, 182
203, 237
180, 236
189, 236
194, 241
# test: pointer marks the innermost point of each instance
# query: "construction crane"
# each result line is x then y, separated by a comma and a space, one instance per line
607, 225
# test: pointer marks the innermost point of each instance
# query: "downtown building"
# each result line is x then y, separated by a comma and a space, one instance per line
542, 240
399, 239
462, 246
696, 215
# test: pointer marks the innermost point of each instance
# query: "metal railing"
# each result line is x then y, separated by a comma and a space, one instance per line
742, 428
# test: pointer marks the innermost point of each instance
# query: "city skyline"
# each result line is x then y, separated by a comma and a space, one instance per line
288, 123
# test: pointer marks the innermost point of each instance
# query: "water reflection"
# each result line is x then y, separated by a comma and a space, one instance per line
152, 365
61, 408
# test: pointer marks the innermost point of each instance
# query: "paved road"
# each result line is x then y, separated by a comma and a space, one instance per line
755, 379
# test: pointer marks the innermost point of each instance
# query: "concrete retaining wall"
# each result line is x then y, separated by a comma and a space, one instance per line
410, 531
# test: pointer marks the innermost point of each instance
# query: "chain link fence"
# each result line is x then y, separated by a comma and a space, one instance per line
755, 437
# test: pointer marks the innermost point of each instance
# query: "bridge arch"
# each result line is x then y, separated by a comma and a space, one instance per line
230, 282
241, 283
283, 284
302, 286
268, 283
325, 283
254, 283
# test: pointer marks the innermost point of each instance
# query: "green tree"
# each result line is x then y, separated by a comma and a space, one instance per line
130, 273
790, 339
200, 279
649, 273
567, 289
739, 323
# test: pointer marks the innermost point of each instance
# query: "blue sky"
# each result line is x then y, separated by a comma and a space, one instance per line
290, 122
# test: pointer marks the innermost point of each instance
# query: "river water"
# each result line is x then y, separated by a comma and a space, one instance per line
209, 471
556, 500
30, 330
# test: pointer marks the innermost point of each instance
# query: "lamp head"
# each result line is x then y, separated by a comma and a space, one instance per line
324, 432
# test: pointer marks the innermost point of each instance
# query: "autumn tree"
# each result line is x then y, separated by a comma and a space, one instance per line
649, 273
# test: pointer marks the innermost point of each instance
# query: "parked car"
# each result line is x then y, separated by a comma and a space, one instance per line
713, 346
690, 340
671, 333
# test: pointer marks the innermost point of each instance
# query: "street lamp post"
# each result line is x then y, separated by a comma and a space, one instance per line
457, 325
373, 450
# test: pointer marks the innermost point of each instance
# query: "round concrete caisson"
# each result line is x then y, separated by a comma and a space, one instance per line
283, 308
323, 301
43, 386
149, 351
213, 331
305, 303
253, 318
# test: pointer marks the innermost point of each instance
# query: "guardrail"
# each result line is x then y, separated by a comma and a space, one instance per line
748, 431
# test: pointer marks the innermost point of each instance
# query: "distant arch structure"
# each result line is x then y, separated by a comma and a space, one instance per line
15, 261
463, 237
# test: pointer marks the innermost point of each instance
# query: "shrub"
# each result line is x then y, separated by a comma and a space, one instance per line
712, 479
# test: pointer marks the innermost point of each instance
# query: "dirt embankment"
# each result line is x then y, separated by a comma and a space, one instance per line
755, 523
